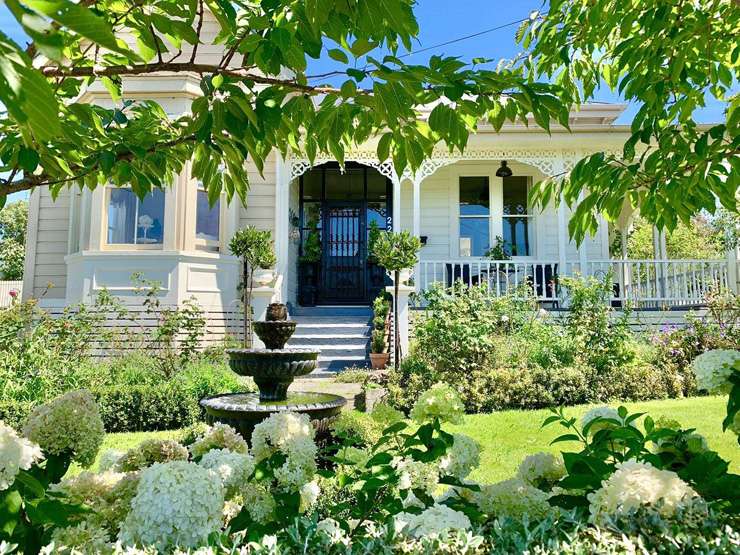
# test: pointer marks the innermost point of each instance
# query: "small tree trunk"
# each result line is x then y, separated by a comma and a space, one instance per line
247, 306
396, 335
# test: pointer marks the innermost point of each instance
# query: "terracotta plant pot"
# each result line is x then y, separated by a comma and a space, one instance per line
379, 360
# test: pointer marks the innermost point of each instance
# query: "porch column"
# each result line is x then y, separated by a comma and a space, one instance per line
582, 258
660, 252
558, 169
733, 277
282, 223
416, 228
396, 202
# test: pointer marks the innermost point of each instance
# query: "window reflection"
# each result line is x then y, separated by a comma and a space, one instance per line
135, 222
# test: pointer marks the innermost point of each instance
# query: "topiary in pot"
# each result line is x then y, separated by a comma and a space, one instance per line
378, 355
255, 248
396, 252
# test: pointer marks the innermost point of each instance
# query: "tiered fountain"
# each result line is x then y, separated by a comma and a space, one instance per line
273, 370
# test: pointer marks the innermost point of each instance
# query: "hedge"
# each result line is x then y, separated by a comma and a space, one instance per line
134, 408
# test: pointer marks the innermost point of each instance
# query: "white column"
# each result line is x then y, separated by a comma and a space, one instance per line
396, 203
733, 277
558, 169
582, 258
282, 222
403, 316
417, 207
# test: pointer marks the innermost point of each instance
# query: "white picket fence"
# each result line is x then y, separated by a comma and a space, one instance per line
9, 289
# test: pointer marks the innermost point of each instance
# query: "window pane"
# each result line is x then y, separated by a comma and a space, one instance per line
150, 221
515, 195
312, 184
349, 185
377, 185
516, 236
121, 217
474, 196
474, 236
207, 219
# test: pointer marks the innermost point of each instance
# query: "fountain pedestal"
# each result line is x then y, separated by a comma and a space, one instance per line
273, 370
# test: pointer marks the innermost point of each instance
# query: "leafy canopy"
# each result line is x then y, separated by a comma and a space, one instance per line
668, 57
256, 96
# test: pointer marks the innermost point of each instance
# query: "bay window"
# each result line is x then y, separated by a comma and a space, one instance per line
207, 220
134, 221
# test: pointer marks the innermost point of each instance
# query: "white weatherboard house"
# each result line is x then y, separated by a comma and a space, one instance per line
458, 204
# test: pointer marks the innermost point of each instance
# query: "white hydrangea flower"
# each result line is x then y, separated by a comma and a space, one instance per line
714, 368
233, 469
440, 401
291, 434
635, 484
109, 459
436, 520
218, 436
462, 458
514, 498
416, 475
259, 502
309, 495
89, 488
602, 412
333, 531
84, 537
176, 503
16, 454
541, 470
68, 424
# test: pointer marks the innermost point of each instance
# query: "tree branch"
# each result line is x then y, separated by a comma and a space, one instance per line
181, 67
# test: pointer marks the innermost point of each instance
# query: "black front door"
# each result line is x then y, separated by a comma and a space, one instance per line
343, 254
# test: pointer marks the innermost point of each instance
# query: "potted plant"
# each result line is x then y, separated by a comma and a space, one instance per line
498, 250
397, 252
308, 264
255, 248
378, 355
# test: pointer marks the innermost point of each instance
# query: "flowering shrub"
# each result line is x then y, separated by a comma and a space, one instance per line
714, 368
513, 498
70, 424
176, 504
16, 454
440, 401
635, 484
541, 470
437, 520
149, 452
218, 436
234, 469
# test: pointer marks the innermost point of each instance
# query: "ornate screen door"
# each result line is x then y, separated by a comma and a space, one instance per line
343, 260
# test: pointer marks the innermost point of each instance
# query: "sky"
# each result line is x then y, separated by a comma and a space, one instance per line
444, 20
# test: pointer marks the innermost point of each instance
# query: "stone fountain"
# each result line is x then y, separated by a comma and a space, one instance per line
273, 370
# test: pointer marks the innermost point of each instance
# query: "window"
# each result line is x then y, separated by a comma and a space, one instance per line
516, 217
135, 222
475, 212
207, 219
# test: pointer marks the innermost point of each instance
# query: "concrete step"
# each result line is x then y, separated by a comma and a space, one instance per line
336, 351
331, 311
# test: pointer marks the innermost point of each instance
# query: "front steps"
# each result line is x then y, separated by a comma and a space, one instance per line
342, 334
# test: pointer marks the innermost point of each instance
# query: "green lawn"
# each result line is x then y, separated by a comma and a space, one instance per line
508, 436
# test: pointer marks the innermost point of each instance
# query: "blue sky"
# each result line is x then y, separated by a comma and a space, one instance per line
443, 20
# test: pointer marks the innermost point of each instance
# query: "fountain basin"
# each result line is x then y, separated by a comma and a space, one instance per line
273, 370
243, 411
275, 333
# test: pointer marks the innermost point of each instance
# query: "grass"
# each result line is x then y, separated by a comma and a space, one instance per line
508, 436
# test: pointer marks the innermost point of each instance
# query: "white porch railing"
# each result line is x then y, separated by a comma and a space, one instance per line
639, 282
5, 289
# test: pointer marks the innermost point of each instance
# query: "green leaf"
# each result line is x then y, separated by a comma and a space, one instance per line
28, 159
362, 46
40, 104
338, 55
349, 89
217, 81
78, 18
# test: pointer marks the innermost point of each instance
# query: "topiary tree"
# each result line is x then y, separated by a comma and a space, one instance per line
396, 252
255, 248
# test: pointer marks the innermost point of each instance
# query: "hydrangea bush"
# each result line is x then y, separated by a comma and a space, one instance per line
630, 482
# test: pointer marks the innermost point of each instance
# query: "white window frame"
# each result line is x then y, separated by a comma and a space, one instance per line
496, 212
532, 229
131, 246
